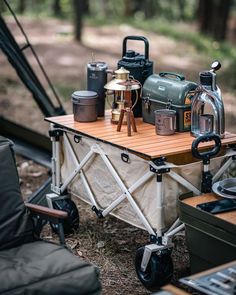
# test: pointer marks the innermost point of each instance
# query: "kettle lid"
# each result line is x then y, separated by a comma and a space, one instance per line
206, 78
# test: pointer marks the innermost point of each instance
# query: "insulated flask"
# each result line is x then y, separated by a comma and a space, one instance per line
96, 79
139, 65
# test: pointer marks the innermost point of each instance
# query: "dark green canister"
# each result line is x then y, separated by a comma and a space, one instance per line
96, 80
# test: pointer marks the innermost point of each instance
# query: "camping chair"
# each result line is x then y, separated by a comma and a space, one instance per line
29, 265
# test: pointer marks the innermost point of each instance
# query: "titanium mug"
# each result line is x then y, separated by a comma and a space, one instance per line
206, 123
165, 121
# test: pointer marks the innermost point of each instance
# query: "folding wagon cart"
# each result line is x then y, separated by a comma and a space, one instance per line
137, 179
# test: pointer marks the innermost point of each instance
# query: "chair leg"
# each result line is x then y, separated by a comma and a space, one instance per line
61, 234
39, 223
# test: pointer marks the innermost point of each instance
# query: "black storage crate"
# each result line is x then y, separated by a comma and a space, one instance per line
211, 241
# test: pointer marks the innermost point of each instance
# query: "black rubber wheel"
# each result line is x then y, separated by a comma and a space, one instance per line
159, 270
70, 223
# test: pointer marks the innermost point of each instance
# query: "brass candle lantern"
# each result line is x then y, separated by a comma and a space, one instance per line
121, 86
114, 90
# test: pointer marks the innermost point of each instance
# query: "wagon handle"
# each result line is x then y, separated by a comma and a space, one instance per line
205, 156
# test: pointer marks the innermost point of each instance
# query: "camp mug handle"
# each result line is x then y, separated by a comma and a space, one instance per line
136, 38
205, 156
169, 75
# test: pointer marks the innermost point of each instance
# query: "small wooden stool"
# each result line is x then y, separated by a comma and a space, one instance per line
129, 119
127, 110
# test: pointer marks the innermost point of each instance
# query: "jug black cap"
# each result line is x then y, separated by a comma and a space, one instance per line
206, 78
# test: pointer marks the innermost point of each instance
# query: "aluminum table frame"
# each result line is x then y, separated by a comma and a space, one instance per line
159, 239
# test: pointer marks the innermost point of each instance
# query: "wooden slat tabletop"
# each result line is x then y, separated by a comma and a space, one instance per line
145, 142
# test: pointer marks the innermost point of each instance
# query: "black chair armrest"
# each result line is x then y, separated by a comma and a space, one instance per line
45, 212
48, 214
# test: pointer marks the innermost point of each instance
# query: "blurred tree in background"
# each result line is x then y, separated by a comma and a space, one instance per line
56, 7
80, 7
211, 17
207, 25
21, 6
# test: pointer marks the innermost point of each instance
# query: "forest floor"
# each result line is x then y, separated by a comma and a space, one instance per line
109, 243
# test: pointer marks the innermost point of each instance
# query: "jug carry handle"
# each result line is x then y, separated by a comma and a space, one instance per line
175, 75
205, 156
136, 38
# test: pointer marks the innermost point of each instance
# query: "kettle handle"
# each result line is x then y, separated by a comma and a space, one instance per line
136, 38
176, 75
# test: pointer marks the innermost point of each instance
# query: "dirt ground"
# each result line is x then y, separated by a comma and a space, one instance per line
109, 243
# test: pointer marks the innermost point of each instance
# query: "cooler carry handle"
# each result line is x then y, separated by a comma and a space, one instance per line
136, 38
175, 75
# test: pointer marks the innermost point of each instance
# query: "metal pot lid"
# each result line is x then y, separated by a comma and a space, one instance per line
225, 188
84, 94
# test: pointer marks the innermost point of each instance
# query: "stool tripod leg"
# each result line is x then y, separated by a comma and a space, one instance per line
133, 121
128, 116
120, 120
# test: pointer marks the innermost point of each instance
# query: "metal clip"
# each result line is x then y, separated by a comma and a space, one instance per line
77, 138
125, 158
168, 104
147, 103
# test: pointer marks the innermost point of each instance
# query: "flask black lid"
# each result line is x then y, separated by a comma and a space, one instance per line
206, 78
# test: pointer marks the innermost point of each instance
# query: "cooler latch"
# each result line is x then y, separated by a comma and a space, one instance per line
147, 104
169, 104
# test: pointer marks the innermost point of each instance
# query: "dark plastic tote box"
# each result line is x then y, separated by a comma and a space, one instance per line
168, 90
211, 239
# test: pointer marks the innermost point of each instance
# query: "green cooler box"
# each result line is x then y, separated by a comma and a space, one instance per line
211, 239
168, 90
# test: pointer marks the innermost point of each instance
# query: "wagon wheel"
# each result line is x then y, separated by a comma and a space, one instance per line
159, 270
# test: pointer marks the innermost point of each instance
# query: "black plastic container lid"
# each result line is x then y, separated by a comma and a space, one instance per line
206, 78
97, 66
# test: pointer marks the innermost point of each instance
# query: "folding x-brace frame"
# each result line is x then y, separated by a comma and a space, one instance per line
160, 240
